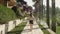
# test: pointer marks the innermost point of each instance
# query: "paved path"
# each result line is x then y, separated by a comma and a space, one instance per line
36, 29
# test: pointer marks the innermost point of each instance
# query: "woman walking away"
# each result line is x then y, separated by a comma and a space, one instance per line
31, 21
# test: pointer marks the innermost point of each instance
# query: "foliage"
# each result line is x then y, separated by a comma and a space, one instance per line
20, 0
58, 30
57, 10
34, 0
30, 7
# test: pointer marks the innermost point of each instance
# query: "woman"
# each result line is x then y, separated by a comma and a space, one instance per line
31, 21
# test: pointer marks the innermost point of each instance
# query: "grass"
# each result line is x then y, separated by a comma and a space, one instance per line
6, 14
57, 29
44, 30
18, 29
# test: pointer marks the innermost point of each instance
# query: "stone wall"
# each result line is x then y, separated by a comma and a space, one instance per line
2, 29
10, 25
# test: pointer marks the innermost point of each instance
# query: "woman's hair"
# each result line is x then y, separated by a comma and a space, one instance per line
30, 14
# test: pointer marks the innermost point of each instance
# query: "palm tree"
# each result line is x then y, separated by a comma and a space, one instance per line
53, 16
47, 14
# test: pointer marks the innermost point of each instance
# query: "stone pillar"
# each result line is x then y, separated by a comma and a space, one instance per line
6, 28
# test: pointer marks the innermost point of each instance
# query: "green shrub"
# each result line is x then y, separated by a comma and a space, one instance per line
6, 14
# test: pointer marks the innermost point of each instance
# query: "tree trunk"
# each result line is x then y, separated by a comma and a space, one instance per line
41, 9
47, 14
37, 8
5, 2
53, 16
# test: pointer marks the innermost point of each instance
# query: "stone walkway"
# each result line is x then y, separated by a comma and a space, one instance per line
36, 29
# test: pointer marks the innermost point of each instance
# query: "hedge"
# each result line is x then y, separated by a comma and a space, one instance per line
6, 14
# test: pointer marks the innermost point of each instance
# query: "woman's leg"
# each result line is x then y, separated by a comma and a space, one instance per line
31, 27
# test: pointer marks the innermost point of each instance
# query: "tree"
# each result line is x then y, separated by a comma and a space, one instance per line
40, 9
19, 0
30, 7
53, 16
47, 14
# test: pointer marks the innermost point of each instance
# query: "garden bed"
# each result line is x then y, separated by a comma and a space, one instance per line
6, 14
18, 29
